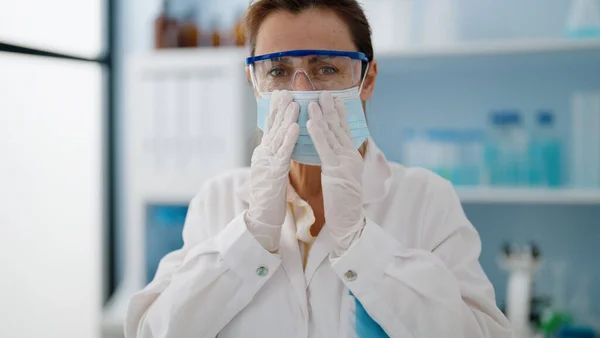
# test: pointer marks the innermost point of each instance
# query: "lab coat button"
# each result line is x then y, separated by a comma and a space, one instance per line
262, 271
350, 276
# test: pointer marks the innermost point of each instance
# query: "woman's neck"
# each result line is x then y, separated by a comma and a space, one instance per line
306, 181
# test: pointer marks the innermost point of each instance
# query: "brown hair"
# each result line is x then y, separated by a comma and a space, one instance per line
349, 11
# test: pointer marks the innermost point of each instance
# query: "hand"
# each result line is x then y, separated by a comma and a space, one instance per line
341, 171
270, 169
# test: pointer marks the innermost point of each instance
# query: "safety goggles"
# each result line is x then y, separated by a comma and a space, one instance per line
307, 70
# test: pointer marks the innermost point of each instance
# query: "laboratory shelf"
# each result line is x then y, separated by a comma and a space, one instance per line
493, 55
489, 195
494, 48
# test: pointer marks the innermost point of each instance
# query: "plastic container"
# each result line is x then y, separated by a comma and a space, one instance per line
454, 154
419, 150
584, 19
469, 170
506, 150
443, 152
545, 154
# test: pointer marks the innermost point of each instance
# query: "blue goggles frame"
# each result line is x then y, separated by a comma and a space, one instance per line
306, 52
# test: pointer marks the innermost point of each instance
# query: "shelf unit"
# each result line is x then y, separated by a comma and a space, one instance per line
482, 55
490, 195
529, 74
493, 48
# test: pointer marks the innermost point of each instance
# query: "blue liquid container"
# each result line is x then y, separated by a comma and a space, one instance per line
545, 153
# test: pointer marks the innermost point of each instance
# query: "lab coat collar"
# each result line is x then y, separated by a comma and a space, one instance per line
376, 179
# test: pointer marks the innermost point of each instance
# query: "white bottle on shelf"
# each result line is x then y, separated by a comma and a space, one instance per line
584, 19
585, 171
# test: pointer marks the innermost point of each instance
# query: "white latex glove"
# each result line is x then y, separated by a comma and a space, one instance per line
341, 171
269, 171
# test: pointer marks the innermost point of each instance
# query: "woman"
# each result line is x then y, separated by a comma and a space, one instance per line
321, 236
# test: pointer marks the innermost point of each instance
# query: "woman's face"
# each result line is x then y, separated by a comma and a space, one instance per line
312, 29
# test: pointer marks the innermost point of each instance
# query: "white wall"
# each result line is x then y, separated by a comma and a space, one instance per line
50, 197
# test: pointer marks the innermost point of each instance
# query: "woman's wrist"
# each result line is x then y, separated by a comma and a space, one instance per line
267, 235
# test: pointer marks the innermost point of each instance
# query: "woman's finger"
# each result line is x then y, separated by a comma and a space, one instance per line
285, 99
289, 141
314, 111
316, 130
340, 108
327, 106
291, 115
273, 104
279, 134
341, 129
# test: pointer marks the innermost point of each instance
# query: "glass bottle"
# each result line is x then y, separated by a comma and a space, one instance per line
216, 35
240, 31
188, 31
165, 28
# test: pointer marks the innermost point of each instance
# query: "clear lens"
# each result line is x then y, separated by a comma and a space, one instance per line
306, 73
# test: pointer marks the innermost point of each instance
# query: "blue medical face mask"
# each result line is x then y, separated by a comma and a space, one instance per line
304, 151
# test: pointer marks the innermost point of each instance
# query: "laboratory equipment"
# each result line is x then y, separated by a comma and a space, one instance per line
545, 152
455, 154
164, 226
506, 150
165, 28
190, 115
425, 149
443, 152
216, 33
239, 31
410, 149
584, 19
556, 316
576, 332
585, 172
580, 304
470, 168
522, 263
188, 35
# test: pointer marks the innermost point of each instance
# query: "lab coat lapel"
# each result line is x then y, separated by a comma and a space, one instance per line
376, 180
292, 260
318, 253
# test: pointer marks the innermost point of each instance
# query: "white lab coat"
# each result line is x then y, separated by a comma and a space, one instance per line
415, 265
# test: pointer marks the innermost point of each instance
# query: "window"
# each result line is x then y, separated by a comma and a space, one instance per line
56, 173
71, 27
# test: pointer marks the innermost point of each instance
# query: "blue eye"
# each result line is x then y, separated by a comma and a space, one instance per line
277, 72
328, 70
